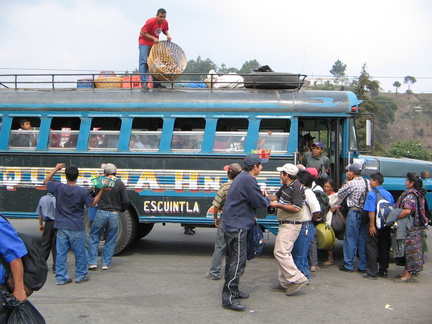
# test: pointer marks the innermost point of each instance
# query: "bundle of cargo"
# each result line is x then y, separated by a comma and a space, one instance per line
166, 61
108, 79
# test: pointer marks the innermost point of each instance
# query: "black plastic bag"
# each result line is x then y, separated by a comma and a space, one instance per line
25, 313
338, 224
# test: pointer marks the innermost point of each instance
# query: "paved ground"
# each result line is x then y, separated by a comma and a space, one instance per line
160, 279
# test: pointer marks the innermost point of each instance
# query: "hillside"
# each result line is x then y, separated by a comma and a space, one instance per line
413, 119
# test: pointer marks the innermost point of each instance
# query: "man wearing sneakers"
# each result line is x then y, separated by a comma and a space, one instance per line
107, 219
218, 204
378, 241
69, 222
288, 201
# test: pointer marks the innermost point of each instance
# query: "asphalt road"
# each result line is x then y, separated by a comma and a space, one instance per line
160, 279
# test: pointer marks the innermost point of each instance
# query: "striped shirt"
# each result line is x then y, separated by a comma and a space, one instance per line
355, 192
219, 200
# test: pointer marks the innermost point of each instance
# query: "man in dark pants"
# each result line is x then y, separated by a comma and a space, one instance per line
12, 249
46, 210
378, 241
244, 197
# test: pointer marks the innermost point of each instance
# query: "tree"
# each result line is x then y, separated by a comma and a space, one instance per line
199, 66
249, 66
409, 80
338, 69
410, 149
397, 85
365, 85
223, 69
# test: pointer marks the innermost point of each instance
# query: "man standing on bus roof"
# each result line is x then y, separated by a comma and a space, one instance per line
233, 170
244, 197
69, 222
288, 201
107, 219
149, 36
354, 191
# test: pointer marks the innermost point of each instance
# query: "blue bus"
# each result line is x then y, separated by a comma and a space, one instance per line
170, 145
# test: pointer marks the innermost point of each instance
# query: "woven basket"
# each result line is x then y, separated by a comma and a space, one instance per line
166, 61
109, 82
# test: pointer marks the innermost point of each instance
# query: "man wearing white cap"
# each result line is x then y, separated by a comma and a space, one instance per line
107, 219
288, 201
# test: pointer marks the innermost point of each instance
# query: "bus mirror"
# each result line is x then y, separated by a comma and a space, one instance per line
369, 132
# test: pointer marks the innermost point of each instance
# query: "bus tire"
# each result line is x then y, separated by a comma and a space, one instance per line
128, 225
272, 80
143, 230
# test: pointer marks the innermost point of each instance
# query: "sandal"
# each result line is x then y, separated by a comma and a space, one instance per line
328, 263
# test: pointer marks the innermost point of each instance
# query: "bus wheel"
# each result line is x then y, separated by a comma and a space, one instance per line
143, 230
128, 225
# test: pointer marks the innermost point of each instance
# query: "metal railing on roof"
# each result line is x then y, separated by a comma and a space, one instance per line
262, 80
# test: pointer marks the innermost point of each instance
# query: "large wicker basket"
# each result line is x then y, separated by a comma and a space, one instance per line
166, 61
107, 79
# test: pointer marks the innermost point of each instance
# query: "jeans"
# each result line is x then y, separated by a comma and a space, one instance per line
355, 240
300, 250
104, 220
144, 51
313, 251
219, 252
75, 240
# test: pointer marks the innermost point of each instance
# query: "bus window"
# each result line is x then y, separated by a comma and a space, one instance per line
63, 133
274, 135
106, 131
146, 134
230, 135
188, 134
24, 133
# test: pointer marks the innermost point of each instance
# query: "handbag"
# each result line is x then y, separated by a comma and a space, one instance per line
338, 224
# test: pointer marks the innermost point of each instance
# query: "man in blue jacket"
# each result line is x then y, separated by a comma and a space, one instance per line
378, 241
244, 197
12, 249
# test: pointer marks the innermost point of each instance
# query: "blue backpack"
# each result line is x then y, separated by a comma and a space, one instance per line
255, 241
383, 209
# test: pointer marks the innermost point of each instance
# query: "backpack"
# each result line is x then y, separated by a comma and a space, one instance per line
255, 241
383, 209
323, 202
35, 267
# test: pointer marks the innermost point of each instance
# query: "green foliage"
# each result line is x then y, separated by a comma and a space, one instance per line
397, 85
198, 66
410, 149
365, 86
249, 66
409, 80
338, 69
388, 108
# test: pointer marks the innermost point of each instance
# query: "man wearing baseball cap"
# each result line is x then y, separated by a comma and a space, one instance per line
107, 219
244, 197
354, 191
316, 158
288, 201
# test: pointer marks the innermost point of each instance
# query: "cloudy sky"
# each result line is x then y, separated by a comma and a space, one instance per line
393, 37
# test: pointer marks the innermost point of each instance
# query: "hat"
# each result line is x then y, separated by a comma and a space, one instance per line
233, 166
313, 172
308, 137
289, 168
252, 159
109, 168
355, 168
318, 144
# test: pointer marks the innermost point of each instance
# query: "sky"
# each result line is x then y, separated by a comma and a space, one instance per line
393, 37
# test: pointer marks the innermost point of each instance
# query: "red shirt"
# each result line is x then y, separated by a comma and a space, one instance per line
152, 28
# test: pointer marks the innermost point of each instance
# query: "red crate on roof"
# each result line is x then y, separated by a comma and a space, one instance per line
135, 82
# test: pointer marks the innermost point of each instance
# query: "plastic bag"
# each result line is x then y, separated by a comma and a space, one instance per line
338, 224
25, 313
